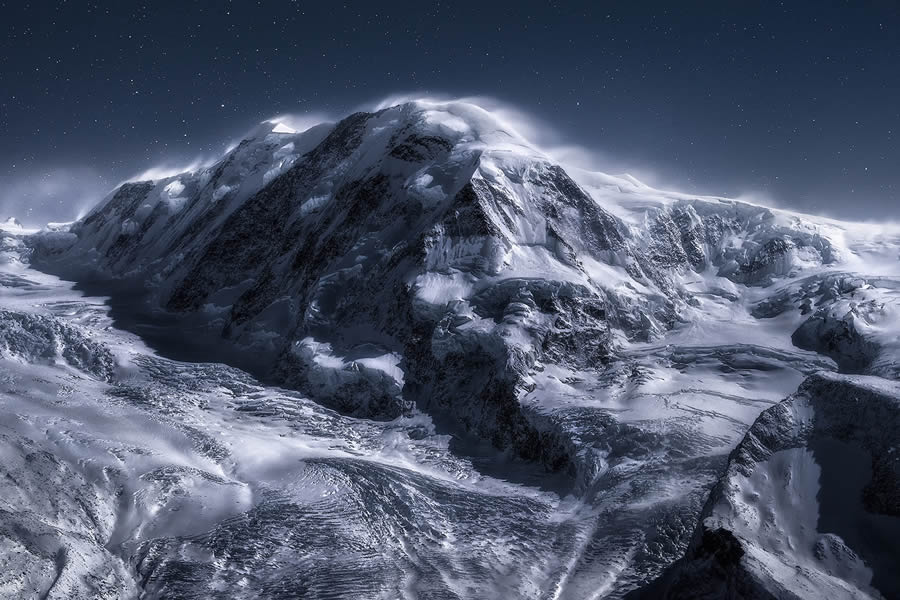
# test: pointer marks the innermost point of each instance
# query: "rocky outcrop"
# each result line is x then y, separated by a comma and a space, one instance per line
810, 504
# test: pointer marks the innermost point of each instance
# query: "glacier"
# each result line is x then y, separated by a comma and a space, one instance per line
409, 355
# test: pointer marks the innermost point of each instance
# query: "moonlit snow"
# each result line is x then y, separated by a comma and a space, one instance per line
409, 355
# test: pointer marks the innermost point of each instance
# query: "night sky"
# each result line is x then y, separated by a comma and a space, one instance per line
796, 103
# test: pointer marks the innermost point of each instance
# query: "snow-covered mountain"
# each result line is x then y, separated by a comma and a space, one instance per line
809, 505
426, 264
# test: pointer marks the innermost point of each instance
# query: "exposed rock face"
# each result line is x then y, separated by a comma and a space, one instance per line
816, 467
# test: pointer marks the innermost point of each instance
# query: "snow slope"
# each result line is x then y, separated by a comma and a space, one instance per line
810, 504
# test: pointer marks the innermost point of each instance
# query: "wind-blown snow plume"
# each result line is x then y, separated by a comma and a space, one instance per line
60, 193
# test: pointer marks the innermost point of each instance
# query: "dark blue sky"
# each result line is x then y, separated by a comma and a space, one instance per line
797, 101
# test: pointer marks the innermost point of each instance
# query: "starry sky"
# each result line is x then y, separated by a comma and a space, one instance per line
791, 103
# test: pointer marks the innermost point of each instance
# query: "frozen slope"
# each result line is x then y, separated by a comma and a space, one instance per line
427, 260
810, 504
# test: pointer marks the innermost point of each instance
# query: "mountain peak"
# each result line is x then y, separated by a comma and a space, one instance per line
462, 122
282, 128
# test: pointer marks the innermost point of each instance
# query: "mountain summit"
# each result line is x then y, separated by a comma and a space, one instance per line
425, 259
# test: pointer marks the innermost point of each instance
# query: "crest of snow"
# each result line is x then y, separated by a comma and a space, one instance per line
230, 147
174, 189
314, 203
425, 188
510, 117
282, 128
778, 512
321, 352
59, 226
446, 121
440, 288
466, 122
785, 485
423, 180
297, 123
171, 195
284, 151
273, 173
609, 276
12, 225
285, 158
323, 355
220, 192
386, 363
165, 171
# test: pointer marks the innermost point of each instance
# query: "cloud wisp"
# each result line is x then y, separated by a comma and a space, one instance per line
170, 169
52, 194
539, 134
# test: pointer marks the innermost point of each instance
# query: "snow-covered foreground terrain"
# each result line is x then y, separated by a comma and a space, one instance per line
127, 472
130, 472
497, 379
